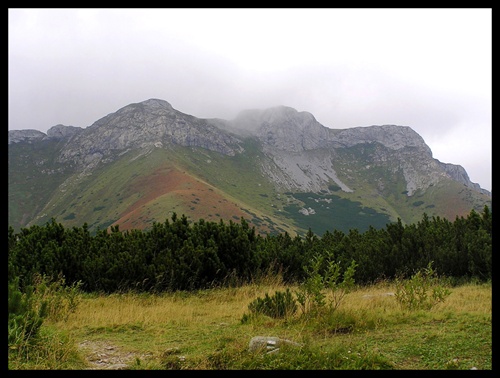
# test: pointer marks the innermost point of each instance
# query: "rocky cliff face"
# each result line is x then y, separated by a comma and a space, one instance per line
458, 173
288, 135
284, 128
152, 123
279, 163
29, 136
302, 152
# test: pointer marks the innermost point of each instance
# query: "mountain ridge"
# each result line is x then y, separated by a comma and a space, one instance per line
382, 166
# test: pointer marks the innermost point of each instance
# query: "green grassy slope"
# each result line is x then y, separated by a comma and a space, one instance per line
145, 186
31, 185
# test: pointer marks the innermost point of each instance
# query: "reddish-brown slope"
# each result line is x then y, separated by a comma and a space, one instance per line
185, 194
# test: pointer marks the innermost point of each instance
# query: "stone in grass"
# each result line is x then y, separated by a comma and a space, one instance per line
269, 344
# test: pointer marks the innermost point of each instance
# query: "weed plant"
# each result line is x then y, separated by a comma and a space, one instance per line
32, 345
422, 291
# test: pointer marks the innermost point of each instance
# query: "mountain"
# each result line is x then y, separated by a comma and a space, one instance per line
278, 168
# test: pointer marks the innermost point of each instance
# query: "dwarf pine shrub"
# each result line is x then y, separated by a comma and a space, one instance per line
280, 305
26, 315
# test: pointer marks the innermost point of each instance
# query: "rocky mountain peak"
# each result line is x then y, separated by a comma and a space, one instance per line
138, 112
254, 119
62, 131
391, 136
284, 128
153, 105
28, 135
287, 115
157, 103
290, 160
148, 124
283, 132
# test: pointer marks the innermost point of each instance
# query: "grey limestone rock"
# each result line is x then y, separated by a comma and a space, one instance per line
16, 136
300, 153
270, 344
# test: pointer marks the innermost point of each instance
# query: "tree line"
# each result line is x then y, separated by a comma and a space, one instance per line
182, 255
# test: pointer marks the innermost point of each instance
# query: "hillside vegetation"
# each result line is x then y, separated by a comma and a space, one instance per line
204, 330
279, 169
191, 295
183, 255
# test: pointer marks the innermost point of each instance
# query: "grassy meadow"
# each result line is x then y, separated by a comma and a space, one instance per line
211, 330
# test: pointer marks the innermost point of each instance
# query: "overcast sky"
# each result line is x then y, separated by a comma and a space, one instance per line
429, 69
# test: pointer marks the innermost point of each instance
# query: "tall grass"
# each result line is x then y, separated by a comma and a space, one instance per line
204, 330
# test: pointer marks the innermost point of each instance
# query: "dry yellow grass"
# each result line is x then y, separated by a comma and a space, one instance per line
198, 323
474, 299
229, 305
202, 307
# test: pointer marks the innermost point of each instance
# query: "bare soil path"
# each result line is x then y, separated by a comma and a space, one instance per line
103, 355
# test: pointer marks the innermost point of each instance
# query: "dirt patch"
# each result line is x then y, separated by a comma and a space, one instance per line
103, 355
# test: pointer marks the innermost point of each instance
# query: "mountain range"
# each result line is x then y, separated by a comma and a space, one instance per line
278, 168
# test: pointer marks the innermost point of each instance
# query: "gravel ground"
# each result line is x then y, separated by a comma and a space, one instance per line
103, 355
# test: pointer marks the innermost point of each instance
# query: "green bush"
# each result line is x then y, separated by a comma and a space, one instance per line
26, 315
280, 305
45, 299
324, 277
422, 291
